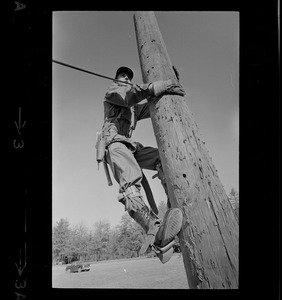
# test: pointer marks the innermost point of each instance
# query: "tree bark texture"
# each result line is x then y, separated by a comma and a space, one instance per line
209, 235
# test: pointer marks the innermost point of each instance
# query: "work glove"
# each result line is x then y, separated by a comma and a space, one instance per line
170, 86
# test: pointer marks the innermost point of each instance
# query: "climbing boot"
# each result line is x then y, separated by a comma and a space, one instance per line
138, 210
165, 238
150, 223
160, 234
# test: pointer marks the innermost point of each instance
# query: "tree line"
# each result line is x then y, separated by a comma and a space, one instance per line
103, 242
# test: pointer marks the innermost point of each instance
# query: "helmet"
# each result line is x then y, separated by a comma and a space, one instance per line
126, 70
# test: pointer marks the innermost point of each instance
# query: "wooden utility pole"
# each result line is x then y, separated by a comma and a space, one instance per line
209, 235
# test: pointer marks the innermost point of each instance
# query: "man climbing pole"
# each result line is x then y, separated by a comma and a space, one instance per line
127, 158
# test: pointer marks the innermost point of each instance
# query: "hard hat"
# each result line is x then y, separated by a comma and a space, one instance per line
126, 70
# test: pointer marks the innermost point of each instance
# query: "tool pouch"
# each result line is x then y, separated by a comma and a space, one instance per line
100, 155
100, 147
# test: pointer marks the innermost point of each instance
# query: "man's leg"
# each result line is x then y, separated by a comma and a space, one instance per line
149, 158
159, 235
124, 166
128, 174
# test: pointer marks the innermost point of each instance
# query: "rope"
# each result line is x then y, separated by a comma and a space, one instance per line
85, 71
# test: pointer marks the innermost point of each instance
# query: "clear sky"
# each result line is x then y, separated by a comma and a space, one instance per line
204, 47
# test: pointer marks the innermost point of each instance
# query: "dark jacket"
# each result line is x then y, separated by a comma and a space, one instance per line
121, 104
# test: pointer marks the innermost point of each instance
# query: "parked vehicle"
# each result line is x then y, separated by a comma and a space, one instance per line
78, 267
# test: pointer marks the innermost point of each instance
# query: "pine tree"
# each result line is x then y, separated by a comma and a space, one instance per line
60, 237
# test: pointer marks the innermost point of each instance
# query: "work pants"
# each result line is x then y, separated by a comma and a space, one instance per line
126, 164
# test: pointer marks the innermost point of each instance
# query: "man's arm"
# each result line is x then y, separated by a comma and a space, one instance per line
126, 95
142, 111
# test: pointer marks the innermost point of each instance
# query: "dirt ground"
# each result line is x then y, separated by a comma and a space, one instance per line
138, 273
